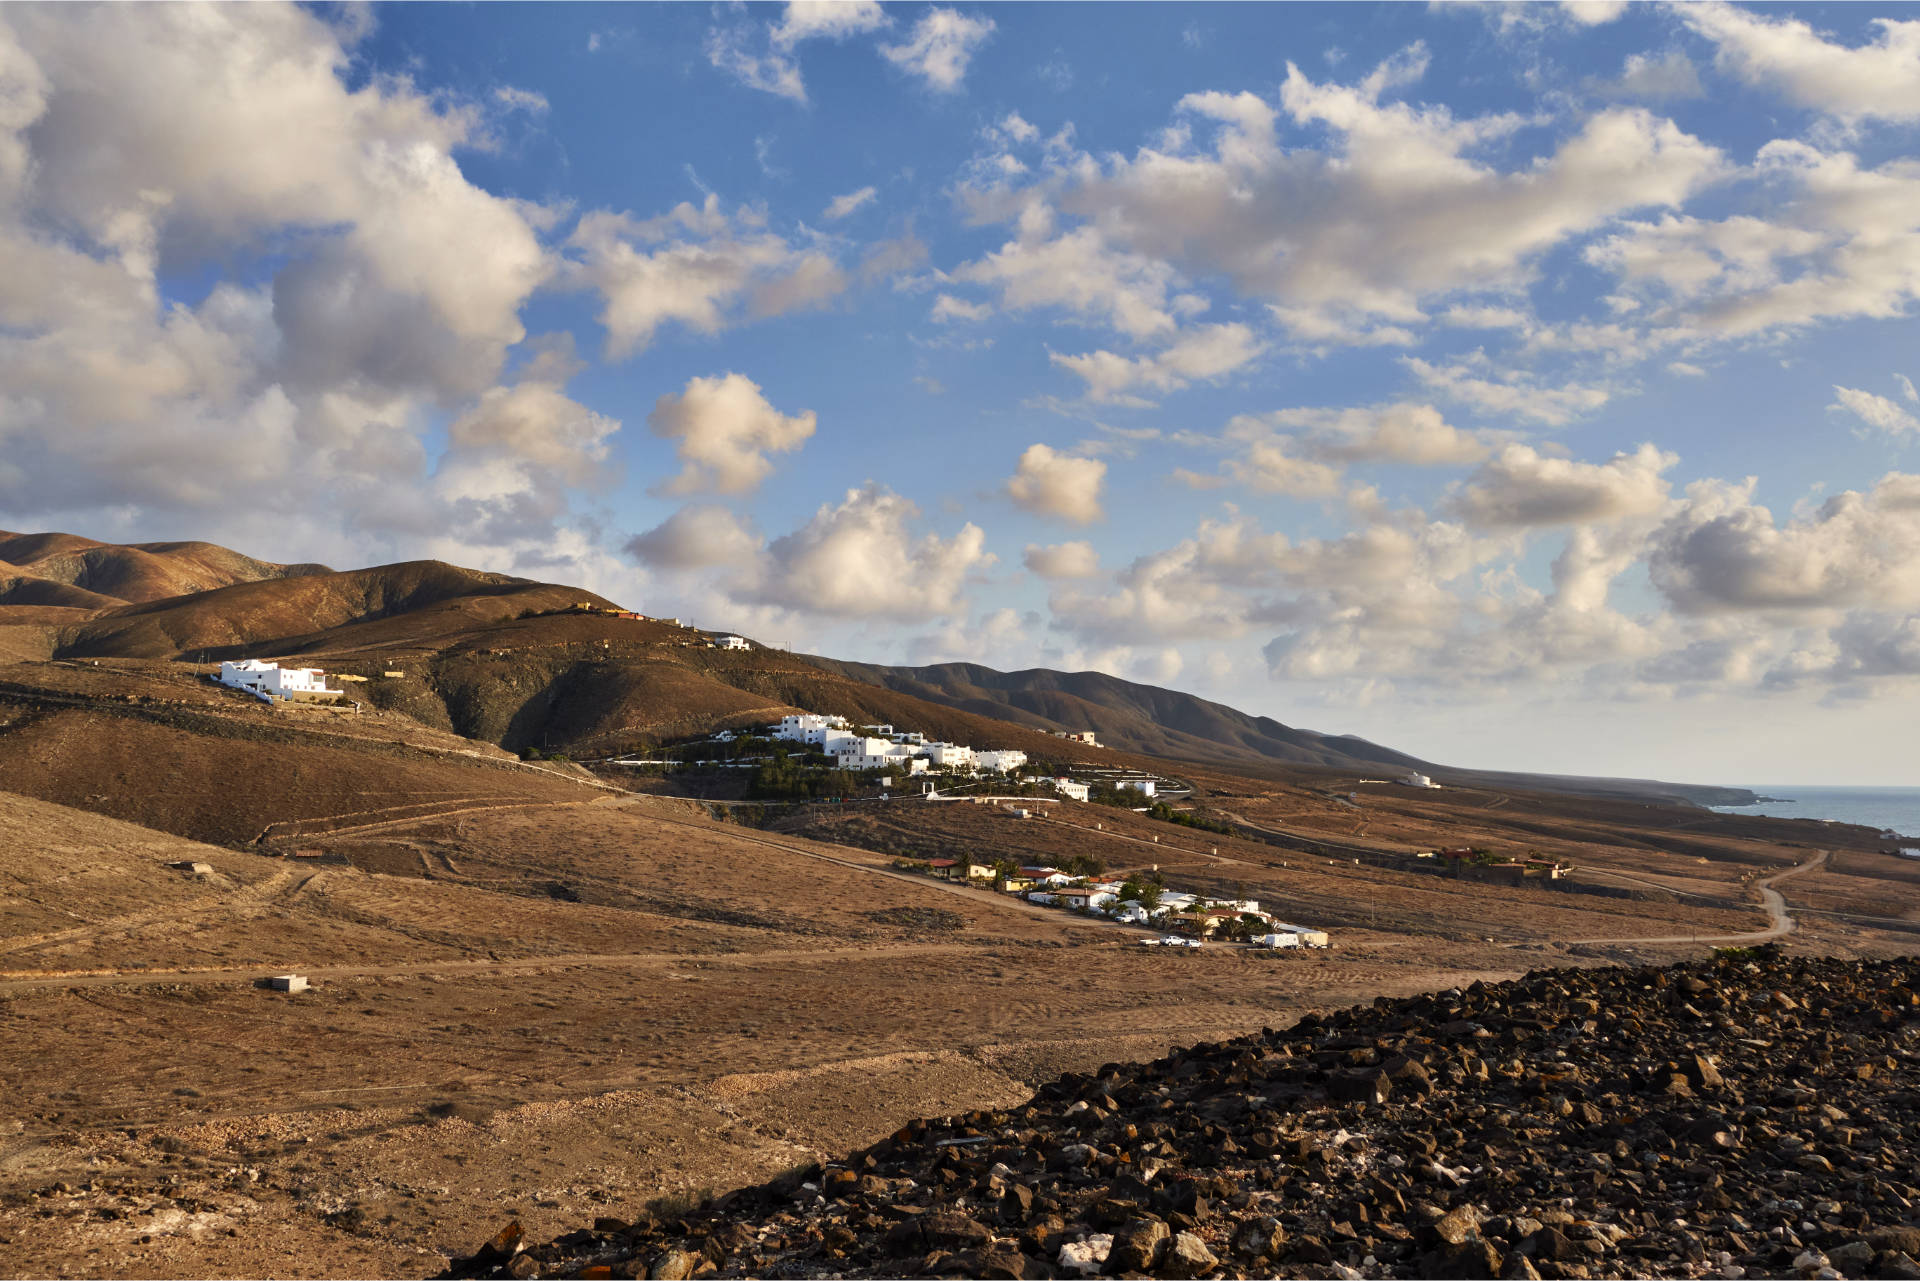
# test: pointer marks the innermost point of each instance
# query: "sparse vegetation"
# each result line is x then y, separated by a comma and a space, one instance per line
923, 919
1188, 818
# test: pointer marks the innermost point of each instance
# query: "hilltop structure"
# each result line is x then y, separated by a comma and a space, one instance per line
272, 681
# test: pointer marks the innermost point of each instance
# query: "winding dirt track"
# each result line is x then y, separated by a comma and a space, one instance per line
1770, 899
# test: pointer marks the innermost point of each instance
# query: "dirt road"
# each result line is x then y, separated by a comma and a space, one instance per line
1770, 899
593, 960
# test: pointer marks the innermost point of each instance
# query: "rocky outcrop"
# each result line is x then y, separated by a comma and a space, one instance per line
1745, 1117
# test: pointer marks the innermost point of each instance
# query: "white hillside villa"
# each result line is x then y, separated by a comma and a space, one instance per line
859, 752
730, 641
807, 728
1071, 790
950, 755
271, 681
884, 747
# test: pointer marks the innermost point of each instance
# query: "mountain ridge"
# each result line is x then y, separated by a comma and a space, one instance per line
1156, 721
516, 662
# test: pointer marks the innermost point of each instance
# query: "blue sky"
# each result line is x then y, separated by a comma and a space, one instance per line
1523, 386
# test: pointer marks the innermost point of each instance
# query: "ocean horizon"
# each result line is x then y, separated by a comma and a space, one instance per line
1894, 809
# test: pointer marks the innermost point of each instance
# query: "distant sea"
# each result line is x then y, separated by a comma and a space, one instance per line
1895, 808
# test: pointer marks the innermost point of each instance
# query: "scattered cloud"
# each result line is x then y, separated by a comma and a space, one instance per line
939, 47
840, 206
513, 99
859, 559
1519, 486
1081, 274
696, 537
1876, 81
947, 308
1063, 486
694, 266
1876, 412
1062, 560
1721, 551
770, 71
1207, 352
725, 428
1510, 394
831, 19
1649, 77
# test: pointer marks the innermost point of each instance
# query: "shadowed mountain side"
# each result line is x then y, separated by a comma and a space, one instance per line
593, 686
1127, 716
1166, 723
26, 589
292, 612
133, 573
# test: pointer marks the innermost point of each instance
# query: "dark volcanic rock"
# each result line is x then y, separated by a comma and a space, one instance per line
1738, 1118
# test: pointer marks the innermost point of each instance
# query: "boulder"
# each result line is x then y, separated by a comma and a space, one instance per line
1188, 1257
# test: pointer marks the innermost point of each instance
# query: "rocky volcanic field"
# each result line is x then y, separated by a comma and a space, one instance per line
1742, 1117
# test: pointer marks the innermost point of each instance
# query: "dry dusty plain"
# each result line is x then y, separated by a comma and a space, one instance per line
544, 998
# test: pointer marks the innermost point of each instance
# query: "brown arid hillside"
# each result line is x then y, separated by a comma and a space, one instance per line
545, 994
111, 574
284, 614
162, 747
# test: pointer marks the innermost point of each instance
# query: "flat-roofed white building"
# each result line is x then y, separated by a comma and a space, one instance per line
1071, 790
728, 641
808, 728
950, 755
270, 680
999, 762
861, 752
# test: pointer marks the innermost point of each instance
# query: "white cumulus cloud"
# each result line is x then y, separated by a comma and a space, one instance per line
725, 428
1049, 483
1062, 560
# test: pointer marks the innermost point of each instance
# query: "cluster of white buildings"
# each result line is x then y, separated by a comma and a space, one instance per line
883, 747
1190, 914
271, 681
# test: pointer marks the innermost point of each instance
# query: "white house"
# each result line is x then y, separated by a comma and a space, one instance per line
950, 755
859, 752
1304, 937
270, 680
999, 762
1071, 790
1417, 780
1130, 913
1144, 786
807, 728
730, 641
1078, 736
